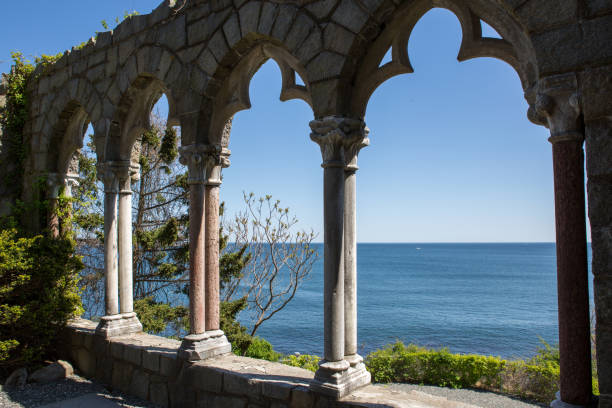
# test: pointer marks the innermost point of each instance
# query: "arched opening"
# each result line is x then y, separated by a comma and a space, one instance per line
160, 222
273, 156
451, 144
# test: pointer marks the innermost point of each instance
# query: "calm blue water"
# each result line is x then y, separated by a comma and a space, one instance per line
494, 299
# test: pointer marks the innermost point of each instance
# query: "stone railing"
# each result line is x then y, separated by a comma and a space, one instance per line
147, 367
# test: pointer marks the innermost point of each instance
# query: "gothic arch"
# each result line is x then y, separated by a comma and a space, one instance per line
513, 48
233, 95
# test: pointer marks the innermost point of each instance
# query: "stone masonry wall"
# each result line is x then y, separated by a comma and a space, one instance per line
147, 367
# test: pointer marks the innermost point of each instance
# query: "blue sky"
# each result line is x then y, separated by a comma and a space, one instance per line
452, 156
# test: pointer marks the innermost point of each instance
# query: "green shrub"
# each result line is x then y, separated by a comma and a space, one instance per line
38, 294
309, 362
414, 364
262, 349
537, 378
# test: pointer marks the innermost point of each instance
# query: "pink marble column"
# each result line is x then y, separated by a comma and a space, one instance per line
196, 258
558, 102
212, 257
205, 340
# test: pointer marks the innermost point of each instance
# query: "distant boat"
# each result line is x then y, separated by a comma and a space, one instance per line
418, 249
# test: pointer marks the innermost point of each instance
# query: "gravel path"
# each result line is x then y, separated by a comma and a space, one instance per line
482, 399
35, 395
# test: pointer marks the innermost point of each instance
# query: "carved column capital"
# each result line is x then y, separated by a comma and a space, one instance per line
118, 176
55, 181
558, 101
204, 163
340, 140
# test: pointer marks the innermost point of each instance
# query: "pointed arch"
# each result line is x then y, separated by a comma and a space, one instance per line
513, 48
233, 94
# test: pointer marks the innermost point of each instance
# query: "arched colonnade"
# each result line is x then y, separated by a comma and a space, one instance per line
203, 54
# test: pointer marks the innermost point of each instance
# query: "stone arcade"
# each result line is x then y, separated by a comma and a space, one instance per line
202, 55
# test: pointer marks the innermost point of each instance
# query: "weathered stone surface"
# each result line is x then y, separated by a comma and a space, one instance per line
122, 376
231, 29
205, 378
301, 397
86, 362
269, 12
560, 49
599, 7
18, 378
53, 372
350, 15
283, 21
150, 359
158, 391
249, 17
539, 16
299, 31
218, 46
337, 38
140, 384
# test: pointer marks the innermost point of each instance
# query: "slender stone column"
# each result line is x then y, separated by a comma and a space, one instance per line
130, 322
111, 285
558, 102
54, 185
56, 182
216, 160
350, 251
200, 343
335, 377
118, 251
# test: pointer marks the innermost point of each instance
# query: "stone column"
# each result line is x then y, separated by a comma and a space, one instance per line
216, 160
350, 250
118, 251
110, 321
558, 102
54, 184
335, 376
199, 344
130, 323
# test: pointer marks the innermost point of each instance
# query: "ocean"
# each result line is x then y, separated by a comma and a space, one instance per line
492, 299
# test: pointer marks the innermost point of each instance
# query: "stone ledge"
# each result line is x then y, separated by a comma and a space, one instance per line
224, 381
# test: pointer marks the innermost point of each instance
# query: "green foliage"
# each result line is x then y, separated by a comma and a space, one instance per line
537, 378
262, 349
155, 316
168, 151
13, 118
38, 294
306, 361
235, 332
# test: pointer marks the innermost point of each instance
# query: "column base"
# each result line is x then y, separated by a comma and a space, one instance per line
559, 403
118, 325
203, 346
337, 379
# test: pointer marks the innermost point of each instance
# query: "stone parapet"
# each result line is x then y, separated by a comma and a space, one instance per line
147, 367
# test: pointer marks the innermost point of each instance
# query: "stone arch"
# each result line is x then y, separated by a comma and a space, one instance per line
233, 94
513, 48
66, 120
148, 72
67, 137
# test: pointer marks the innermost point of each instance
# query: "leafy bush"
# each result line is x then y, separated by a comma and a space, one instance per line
262, 349
537, 378
156, 316
309, 362
38, 294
